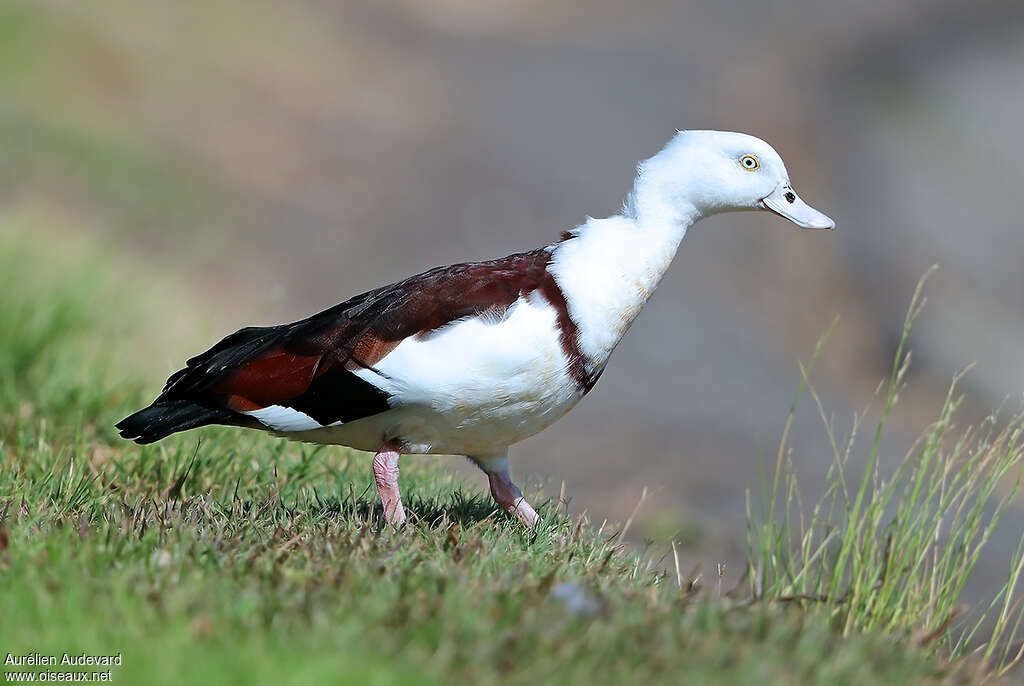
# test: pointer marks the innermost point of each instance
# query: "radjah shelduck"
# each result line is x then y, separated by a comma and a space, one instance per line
471, 358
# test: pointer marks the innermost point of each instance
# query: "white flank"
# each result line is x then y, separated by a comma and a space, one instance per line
281, 418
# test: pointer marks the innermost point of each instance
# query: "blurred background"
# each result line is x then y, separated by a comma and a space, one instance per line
273, 159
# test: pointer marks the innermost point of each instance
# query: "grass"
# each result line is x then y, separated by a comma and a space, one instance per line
229, 557
892, 552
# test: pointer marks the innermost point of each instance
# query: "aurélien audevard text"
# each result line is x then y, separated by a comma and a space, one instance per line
64, 660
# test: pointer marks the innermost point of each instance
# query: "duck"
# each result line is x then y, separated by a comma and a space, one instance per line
471, 358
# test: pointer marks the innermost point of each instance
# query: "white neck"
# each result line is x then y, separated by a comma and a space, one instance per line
611, 267
649, 206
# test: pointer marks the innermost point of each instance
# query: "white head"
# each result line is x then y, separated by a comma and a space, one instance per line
700, 173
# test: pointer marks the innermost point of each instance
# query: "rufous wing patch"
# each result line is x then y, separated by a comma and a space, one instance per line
369, 350
273, 377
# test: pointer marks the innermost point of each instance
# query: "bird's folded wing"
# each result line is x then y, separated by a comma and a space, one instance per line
307, 366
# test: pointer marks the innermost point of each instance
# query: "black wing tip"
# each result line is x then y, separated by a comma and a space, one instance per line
165, 417
132, 432
141, 426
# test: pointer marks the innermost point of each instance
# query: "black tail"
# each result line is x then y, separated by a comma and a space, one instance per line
165, 417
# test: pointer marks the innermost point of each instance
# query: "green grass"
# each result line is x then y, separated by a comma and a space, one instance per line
229, 557
892, 552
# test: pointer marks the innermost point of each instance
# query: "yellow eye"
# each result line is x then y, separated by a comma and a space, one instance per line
750, 162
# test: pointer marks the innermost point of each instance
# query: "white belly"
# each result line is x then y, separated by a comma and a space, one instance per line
473, 387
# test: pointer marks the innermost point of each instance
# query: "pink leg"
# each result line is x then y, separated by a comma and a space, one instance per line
385, 472
508, 495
